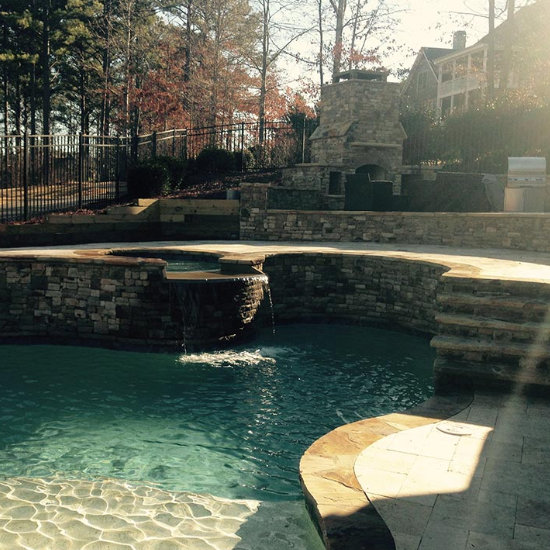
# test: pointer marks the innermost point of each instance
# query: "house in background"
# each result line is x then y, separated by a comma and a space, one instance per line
420, 89
521, 55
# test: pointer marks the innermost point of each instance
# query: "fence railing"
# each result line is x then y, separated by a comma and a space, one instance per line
271, 145
40, 174
478, 141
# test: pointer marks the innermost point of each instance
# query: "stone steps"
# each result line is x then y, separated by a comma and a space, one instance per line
494, 287
463, 325
481, 350
491, 374
493, 331
502, 307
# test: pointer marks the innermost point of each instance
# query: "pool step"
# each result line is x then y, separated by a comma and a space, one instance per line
500, 307
485, 350
492, 373
494, 287
471, 326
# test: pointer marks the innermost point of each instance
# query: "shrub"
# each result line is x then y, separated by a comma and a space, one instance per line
244, 160
147, 179
176, 168
215, 160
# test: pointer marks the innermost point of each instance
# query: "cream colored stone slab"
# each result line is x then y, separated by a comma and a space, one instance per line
535, 451
491, 542
426, 465
470, 449
510, 451
383, 459
470, 468
443, 538
380, 482
434, 483
532, 535
410, 441
404, 517
483, 416
406, 542
492, 518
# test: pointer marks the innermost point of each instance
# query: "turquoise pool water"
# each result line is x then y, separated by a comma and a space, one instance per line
231, 424
173, 263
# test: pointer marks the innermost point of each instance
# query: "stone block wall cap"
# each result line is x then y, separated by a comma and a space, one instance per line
242, 260
376, 144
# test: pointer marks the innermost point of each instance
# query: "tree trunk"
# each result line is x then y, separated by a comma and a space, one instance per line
263, 71
508, 46
5, 100
339, 11
188, 38
46, 90
354, 34
491, 53
104, 126
17, 106
45, 61
33, 99
321, 43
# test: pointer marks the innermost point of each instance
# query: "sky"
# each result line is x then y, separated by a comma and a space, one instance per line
432, 23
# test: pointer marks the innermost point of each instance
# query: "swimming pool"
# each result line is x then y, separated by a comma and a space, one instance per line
218, 434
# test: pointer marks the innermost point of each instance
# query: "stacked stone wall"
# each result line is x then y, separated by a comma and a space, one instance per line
179, 219
108, 299
354, 288
518, 231
121, 302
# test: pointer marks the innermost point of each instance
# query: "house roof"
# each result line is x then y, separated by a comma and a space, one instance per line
430, 55
433, 53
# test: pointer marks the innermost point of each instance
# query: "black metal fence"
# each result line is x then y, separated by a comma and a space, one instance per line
477, 141
41, 174
270, 145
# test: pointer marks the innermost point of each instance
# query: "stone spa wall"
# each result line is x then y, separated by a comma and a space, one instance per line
355, 289
520, 231
121, 302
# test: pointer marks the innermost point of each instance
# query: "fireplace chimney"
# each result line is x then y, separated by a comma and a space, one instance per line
459, 40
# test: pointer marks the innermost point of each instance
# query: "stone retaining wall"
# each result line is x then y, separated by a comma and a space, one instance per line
521, 231
150, 219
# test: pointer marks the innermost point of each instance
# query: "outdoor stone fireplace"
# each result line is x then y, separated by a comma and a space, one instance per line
359, 133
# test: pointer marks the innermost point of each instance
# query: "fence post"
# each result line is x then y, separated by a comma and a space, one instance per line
174, 143
25, 176
185, 151
80, 167
134, 147
117, 168
304, 141
242, 146
154, 145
